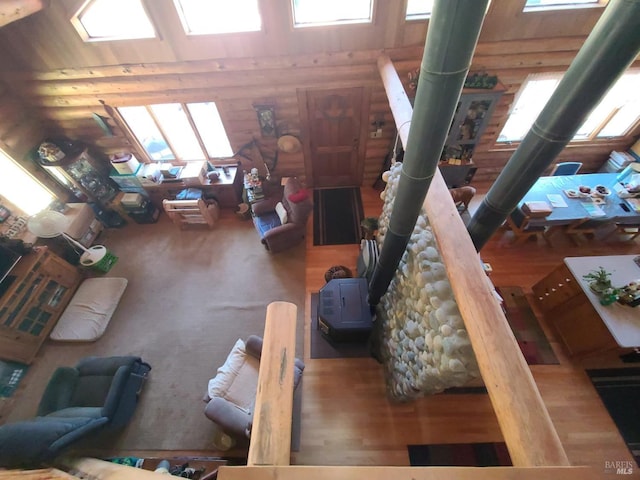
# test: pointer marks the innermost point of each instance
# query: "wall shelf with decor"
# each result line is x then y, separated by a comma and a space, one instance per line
474, 111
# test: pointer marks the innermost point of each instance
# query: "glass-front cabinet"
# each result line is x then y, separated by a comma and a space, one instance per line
35, 295
86, 177
472, 116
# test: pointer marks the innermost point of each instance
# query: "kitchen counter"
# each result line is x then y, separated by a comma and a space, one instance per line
584, 325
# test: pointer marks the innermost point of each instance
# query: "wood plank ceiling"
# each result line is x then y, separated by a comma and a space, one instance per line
61, 83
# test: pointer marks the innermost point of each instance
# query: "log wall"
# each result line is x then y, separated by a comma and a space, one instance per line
21, 127
64, 81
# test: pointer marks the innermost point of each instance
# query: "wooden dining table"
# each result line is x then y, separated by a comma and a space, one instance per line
612, 208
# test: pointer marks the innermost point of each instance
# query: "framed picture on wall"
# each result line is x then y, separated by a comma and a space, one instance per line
266, 119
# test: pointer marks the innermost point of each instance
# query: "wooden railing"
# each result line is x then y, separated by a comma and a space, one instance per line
525, 423
271, 431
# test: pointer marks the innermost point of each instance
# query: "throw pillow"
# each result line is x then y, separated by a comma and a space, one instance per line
282, 213
227, 372
299, 196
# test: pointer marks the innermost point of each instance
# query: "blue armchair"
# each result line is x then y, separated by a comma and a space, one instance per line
97, 393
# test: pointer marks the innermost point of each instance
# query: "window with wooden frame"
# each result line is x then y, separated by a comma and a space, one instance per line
21, 189
540, 5
615, 116
103, 20
418, 9
182, 132
202, 17
314, 13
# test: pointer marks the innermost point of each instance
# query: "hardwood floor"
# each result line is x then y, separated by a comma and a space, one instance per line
348, 420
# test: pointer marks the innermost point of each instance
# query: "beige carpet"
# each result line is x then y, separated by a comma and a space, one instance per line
191, 294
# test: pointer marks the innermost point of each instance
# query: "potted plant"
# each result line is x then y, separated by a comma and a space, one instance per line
599, 280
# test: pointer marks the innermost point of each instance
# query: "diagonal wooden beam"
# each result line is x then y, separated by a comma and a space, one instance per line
12, 10
525, 423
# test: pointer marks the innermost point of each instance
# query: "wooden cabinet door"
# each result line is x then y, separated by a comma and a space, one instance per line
337, 126
43, 287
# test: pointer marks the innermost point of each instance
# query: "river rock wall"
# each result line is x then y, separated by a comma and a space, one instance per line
425, 347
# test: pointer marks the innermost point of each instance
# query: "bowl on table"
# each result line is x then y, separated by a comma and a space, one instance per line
601, 191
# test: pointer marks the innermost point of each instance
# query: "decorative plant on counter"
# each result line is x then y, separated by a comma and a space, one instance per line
599, 280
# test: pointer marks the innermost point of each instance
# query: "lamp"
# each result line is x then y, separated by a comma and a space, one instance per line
50, 224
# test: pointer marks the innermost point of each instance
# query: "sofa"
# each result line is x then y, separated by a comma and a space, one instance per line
98, 393
231, 394
281, 222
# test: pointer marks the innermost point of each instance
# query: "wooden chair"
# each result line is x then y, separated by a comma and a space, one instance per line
188, 212
628, 230
518, 222
588, 226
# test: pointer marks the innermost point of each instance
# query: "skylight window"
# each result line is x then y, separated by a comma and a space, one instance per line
311, 13
202, 17
614, 116
99, 20
418, 9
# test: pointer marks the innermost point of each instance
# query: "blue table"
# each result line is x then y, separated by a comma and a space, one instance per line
615, 209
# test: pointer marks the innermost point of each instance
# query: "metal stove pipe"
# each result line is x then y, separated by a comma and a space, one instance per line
453, 32
608, 51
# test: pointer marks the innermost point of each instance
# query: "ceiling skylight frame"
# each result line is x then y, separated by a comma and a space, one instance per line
362, 20
413, 11
546, 5
190, 21
144, 30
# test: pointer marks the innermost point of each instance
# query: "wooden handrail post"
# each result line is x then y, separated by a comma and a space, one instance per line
525, 423
271, 431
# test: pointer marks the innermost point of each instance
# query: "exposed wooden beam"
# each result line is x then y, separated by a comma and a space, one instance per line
12, 10
517, 403
404, 473
101, 470
271, 431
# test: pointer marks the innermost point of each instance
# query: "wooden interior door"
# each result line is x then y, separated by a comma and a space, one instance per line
337, 131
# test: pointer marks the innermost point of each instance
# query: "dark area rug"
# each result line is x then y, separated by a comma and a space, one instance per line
524, 324
323, 348
337, 213
460, 455
619, 389
10, 375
